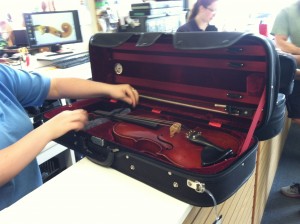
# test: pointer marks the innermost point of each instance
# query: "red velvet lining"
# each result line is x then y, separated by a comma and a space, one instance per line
250, 49
207, 90
222, 137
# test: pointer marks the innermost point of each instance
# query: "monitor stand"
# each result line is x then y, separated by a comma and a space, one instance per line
57, 50
56, 53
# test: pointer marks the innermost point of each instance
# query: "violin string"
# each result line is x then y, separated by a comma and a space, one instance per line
157, 121
135, 117
165, 122
138, 118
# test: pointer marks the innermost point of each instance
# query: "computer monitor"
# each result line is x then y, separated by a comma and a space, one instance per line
52, 29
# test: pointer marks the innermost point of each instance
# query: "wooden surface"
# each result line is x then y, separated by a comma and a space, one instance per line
237, 209
268, 156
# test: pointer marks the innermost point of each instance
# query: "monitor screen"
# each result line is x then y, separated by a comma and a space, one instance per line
48, 29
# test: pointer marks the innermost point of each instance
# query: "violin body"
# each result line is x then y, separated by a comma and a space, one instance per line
172, 141
177, 150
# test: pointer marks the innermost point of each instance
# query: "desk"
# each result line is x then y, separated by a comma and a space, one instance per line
80, 71
89, 193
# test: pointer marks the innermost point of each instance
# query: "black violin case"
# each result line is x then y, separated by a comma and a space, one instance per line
202, 98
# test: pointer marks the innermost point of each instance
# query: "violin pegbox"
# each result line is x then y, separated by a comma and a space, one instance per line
193, 135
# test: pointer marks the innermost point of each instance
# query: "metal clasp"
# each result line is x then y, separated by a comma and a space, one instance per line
196, 185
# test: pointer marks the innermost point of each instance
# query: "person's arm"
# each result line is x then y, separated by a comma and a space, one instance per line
286, 46
283, 44
79, 89
17, 156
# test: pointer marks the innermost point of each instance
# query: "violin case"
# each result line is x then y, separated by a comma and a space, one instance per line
203, 97
286, 99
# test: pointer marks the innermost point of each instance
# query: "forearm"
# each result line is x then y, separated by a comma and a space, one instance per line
290, 48
287, 46
16, 157
77, 88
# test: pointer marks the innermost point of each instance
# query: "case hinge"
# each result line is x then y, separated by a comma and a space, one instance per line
196, 185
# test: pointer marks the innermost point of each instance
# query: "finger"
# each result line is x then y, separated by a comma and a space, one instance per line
79, 119
134, 96
79, 114
129, 96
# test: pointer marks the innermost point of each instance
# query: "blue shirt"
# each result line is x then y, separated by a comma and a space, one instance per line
19, 89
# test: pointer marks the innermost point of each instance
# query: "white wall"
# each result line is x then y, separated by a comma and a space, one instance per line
243, 15
232, 15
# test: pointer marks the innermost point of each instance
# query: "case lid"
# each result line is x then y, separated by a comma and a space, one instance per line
226, 79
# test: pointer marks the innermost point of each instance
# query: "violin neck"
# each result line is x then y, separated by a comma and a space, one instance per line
130, 119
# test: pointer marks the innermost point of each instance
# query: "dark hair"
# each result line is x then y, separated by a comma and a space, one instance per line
198, 3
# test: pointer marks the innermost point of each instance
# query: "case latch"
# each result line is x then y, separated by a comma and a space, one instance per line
196, 185
200, 188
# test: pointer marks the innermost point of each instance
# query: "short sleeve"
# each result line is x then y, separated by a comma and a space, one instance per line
281, 25
30, 89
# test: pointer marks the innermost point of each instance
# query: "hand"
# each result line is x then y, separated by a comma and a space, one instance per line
125, 93
65, 122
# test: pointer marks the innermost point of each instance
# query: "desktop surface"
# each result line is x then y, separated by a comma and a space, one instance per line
89, 193
82, 71
64, 60
53, 56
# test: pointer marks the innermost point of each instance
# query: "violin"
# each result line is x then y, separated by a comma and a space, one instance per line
169, 141
176, 150
66, 30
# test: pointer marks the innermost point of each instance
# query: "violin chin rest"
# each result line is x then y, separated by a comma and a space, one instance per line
211, 155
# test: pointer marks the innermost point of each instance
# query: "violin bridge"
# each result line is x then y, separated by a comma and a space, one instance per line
175, 128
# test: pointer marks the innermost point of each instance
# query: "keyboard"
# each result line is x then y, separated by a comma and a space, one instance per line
72, 60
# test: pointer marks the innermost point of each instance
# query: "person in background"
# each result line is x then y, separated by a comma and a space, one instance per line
20, 143
286, 31
202, 13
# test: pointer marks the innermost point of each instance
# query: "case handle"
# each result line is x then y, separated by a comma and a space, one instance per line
95, 150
